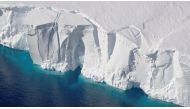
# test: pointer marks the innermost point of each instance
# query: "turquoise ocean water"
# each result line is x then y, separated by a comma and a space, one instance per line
25, 84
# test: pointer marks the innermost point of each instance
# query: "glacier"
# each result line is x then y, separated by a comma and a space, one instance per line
150, 56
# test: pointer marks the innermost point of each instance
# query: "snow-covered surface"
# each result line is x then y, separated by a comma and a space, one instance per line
124, 44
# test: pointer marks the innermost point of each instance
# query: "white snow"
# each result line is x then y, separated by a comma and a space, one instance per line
145, 46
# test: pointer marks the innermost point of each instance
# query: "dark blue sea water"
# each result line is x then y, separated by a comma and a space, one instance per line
25, 84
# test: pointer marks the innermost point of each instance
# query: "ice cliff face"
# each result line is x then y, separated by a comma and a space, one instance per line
129, 57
